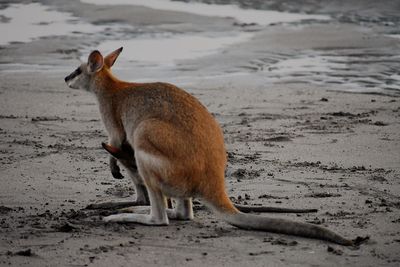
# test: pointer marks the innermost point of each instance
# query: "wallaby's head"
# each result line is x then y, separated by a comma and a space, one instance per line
82, 77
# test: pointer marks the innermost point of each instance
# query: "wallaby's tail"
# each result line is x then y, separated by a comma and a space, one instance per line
282, 226
231, 215
246, 209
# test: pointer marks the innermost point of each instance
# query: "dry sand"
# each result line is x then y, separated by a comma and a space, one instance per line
292, 142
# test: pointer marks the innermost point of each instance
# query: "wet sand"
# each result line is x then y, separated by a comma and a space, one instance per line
295, 138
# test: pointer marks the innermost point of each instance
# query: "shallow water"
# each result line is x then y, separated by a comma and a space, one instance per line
22, 67
24, 22
168, 49
311, 63
262, 17
353, 73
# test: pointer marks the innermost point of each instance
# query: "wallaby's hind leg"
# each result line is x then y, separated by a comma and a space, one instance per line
183, 209
157, 216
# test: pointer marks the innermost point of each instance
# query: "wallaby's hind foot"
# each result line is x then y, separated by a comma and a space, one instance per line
157, 216
182, 211
145, 219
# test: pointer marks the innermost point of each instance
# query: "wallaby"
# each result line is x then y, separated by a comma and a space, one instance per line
178, 146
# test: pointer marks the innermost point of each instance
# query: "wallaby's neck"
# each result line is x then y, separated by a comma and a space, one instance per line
105, 84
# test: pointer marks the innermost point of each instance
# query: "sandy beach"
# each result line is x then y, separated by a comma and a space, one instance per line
309, 108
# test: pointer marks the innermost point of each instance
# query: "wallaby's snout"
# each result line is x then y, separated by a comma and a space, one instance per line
73, 75
78, 79
67, 78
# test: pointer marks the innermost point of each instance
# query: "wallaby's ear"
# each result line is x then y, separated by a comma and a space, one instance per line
116, 152
95, 62
110, 59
